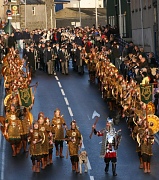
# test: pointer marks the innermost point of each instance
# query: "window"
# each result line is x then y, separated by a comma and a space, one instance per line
111, 20
33, 10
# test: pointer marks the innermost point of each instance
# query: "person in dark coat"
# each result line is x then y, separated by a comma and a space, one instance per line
58, 36
31, 56
56, 49
63, 60
79, 61
78, 40
36, 37
11, 41
26, 36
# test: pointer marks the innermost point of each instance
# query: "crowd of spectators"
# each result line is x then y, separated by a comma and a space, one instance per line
41, 48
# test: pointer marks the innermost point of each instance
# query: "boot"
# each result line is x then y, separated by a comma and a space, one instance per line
14, 150
25, 146
50, 158
107, 168
19, 146
148, 168
76, 167
37, 167
61, 149
73, 166
57, 151
43, 163
114, 169
141, 164
145, 167
34, 168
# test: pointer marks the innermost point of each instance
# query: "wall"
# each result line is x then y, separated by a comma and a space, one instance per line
142, 27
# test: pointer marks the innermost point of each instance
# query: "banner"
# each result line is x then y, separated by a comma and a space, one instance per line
146, 93
25, 97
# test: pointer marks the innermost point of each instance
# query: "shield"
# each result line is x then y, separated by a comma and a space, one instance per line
153, 122
150, 108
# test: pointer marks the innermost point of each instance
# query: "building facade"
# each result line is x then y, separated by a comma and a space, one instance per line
34, 14
144, 23
118, 14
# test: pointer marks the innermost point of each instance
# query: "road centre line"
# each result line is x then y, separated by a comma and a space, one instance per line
62, 91
89, 165
70, 111
59, 84
71, 114
66, 101
91, 177
56, 78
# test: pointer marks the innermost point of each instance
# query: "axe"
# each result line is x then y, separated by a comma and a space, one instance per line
95, 114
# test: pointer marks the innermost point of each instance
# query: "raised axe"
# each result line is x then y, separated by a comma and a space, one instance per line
95, 114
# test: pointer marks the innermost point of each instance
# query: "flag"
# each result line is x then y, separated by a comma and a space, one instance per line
25, 97
146, 93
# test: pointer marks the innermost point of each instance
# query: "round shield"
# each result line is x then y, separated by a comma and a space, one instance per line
150, 108
153, 123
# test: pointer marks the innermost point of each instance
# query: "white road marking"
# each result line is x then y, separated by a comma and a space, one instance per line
3, 142
3, 159
56, 78
71, 114
82, 146
59, 84
89, 165
62, 91
66, 101
70, 111
156, 139
88, 117
91, 177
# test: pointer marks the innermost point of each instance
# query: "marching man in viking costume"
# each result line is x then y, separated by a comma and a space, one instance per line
73, 138
59, 125
146, 141
12, 132
35, 139
43, 128
110, 143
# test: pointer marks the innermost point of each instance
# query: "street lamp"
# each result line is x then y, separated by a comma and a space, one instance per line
142, 25
25, 14
120, 24
80, 12
96, 13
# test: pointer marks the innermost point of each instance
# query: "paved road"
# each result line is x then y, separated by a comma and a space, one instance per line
77, 100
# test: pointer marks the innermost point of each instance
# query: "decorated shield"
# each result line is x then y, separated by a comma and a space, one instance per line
153, 122
150, 108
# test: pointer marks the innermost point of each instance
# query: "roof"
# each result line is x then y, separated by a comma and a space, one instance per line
86, 11
61, 1
33, 1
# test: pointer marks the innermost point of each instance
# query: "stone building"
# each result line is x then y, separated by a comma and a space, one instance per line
71, 17
34, 14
